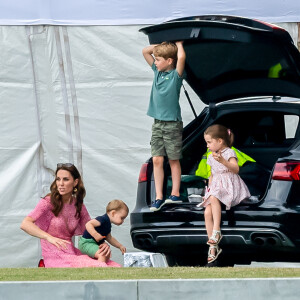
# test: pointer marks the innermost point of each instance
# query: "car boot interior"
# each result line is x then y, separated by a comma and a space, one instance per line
264, 135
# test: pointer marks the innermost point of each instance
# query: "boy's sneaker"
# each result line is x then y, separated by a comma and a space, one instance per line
157, 205
174, 199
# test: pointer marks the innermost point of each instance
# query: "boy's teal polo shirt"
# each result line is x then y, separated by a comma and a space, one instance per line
164, 98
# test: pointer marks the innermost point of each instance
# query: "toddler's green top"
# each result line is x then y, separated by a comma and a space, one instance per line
164, 98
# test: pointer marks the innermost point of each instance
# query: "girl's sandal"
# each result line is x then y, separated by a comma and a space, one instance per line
214, 238
212, 257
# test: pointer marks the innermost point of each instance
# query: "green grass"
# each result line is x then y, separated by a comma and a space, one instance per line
40, 274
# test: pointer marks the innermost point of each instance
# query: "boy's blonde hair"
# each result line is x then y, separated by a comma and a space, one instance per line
166, 50
116, 205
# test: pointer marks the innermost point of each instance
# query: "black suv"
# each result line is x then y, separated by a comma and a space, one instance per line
247, 73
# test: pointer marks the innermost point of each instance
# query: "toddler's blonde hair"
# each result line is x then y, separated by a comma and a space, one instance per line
117, 205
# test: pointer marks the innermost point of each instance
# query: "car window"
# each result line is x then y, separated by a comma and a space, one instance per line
261, 128
291, 124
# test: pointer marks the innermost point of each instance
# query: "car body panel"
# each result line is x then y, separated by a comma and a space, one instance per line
242, 52
233, 57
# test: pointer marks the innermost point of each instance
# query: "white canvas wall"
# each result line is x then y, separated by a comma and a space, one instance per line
103, 76
119, 12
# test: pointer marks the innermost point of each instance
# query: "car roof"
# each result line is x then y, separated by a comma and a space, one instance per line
230, 57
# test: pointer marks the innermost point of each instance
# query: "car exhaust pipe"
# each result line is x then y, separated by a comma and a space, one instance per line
144, 242
259, 241
139, 243
272, 241
148, 242
266, 240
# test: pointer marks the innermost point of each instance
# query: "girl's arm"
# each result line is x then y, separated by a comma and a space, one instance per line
90, 227
209, 180
208, 186
29, 227
147, 52
231, 164
115, 243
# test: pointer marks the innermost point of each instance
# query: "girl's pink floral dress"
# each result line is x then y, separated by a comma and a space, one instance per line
228, 187
65, 226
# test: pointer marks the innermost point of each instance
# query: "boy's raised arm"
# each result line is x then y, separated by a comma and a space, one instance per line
147, 52
180, 58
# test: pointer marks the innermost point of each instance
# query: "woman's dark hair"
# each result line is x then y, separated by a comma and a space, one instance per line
218, 131
56, 198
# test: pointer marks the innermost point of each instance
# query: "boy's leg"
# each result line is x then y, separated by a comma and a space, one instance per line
158, 152
172, 135
91, 248
158, 171
176, 176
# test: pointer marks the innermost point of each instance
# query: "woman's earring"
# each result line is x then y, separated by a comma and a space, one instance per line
74, 190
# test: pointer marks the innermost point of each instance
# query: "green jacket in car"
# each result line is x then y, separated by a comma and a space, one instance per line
204, 169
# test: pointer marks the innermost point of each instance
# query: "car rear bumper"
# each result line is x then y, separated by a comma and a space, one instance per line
169, 240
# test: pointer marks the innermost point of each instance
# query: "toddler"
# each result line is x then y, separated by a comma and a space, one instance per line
99, 229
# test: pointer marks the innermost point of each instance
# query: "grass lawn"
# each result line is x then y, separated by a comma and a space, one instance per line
40, 274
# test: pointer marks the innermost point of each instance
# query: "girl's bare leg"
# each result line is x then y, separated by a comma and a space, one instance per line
216, 212
216, 216
209, 224
208, 217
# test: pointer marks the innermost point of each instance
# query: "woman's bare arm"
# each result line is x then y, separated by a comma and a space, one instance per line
29, 227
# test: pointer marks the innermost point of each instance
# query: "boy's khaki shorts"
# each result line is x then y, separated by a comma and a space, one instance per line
166, 139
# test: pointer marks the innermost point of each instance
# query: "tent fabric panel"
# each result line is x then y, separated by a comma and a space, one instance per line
100, 12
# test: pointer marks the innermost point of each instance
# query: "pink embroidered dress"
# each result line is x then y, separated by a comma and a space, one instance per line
65, 226
228, 187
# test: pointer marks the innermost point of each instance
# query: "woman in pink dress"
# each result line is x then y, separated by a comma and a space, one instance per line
58, 217
224, 186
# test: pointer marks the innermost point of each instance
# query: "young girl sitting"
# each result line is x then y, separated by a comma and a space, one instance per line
224, 186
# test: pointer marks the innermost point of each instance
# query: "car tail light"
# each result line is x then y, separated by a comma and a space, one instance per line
287, 171
143, 173
273, 26
41, 263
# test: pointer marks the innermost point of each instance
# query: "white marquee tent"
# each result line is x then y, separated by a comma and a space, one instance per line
74, 88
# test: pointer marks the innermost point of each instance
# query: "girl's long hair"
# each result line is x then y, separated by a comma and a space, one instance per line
218, 131
56, 198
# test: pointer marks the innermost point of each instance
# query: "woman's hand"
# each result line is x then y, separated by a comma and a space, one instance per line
29, 227
59, 243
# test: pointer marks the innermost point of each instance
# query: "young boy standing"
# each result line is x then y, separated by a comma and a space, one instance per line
167, 60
